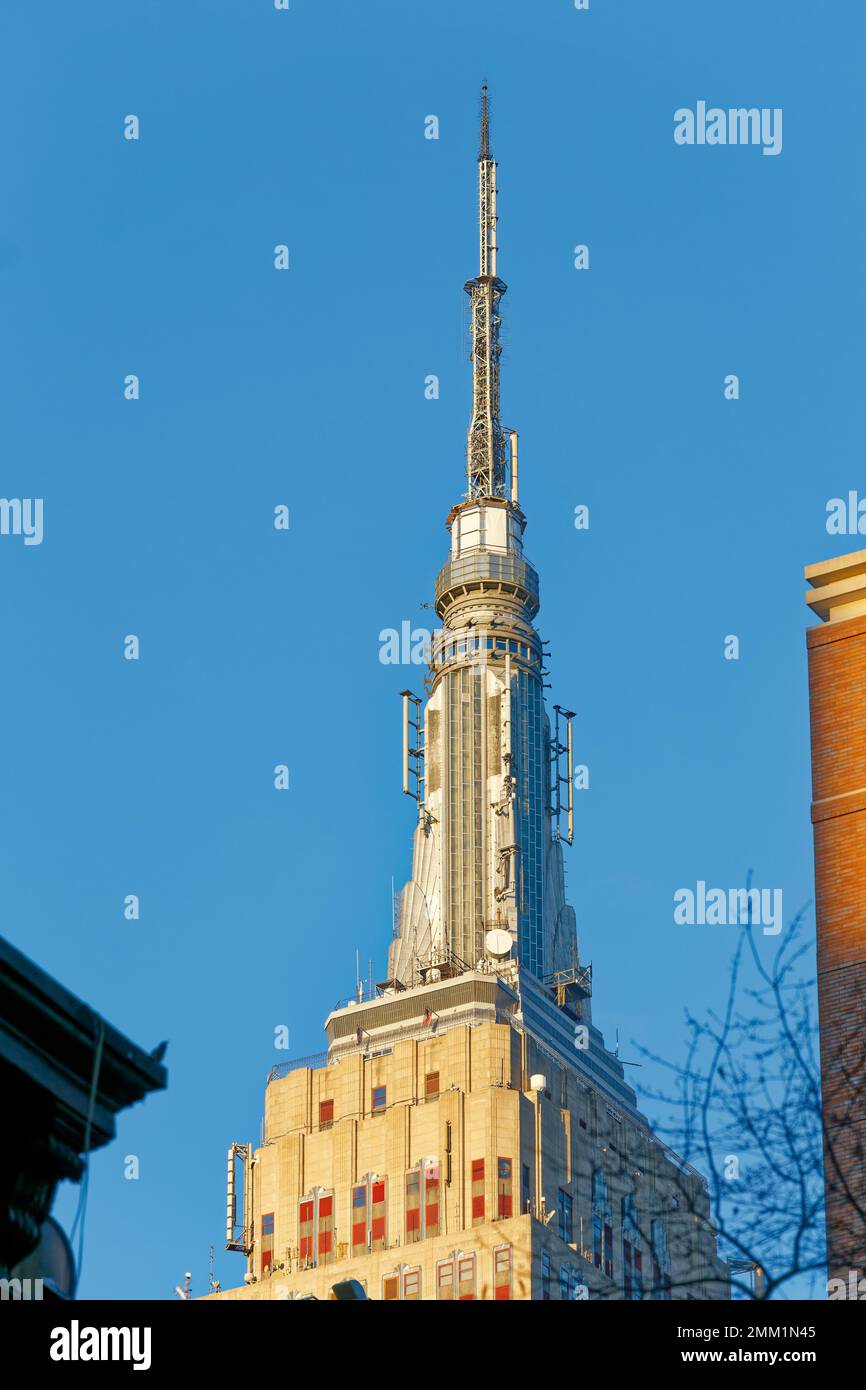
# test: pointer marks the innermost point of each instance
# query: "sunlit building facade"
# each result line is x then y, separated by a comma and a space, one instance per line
467, 1135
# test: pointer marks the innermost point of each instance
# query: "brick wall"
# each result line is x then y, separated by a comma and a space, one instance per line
837, 695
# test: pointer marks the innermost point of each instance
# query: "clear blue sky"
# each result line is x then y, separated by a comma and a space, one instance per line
305, 387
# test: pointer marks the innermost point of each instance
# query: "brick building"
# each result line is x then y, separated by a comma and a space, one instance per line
837, 699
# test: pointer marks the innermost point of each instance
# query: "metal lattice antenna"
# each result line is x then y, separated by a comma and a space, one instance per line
484, 152
485, 450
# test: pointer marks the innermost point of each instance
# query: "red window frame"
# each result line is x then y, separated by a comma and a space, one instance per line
477, 1191
466, 1278
306, 1223
359, 1218
502, 1266
445, 1281
378, 1215
431, 1200
504, 1198
413, 1206
267, 1240
326, 1233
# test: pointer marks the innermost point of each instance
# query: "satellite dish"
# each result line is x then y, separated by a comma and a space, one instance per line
498, 943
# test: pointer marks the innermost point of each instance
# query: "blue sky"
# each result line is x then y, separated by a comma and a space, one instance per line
306, 388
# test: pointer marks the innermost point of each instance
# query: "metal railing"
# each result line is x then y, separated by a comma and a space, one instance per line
481, 564
313, 1061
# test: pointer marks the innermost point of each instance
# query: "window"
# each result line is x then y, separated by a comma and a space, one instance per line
404, 1283
445, 1280
422, 1202
368, 1215
431, 1200
431, 1085
571, 1286
565, 1209
305, 1233
267, 1241
608, 1250
545, 1276
379, 1100
413, 1206
661, 1261
316, 1229
326, 1229
632, 1285
326, 1114
459, 1273
502, 1272
466, 1279
378, 1215
503, 1188
477, 1191
527, 1196
359, 1219
602, 1227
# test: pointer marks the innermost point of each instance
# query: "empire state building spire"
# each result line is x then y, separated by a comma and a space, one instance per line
485, 449
490, 776
425, 1143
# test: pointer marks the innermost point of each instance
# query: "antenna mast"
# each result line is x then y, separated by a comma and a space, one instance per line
485, 450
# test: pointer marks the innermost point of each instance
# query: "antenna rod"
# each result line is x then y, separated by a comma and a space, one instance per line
485, 449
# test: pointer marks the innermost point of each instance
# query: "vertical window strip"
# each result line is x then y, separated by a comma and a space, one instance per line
477, 1191
504, 1206
413, 1206
359, 1219
431, 1201
466, 1279
502, 1272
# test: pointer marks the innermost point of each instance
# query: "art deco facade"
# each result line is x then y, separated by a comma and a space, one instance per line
468, 1135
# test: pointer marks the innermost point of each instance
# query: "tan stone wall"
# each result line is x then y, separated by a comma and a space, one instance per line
480, 1241
484, 1110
